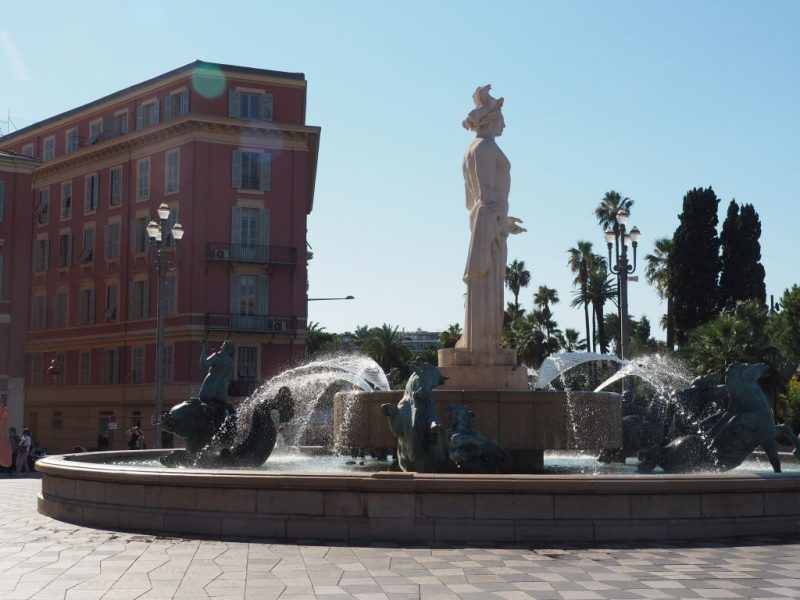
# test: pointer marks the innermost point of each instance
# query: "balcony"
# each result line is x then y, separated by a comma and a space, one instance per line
253, 323
276, 255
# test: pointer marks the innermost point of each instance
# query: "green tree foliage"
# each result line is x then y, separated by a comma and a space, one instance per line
581, 263
784, 329
694, 263
319, 341
657, 274
611, 204
429, 354
571, 341
517, 277
386, 346
450, 336
602, 288
791, 401
742, 274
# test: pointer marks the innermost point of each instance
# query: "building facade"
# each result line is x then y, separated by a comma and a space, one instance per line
228, 150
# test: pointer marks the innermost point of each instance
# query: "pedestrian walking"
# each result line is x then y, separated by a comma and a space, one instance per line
25, 445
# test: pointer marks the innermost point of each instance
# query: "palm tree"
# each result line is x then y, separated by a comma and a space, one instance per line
610, 205
600, 289
387, 347
581, 259
512, 313
316, 338
450, 336
657, 274
571, 340
517, 277
545, 296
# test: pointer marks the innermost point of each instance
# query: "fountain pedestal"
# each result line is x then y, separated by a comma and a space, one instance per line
466, 371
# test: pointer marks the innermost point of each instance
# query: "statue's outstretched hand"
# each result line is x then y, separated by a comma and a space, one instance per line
512, 224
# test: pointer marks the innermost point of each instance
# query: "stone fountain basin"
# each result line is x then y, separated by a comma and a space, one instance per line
526, 423
85, 490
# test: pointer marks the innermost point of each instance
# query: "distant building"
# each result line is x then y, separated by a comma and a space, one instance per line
228, 150
16, 172
417, 340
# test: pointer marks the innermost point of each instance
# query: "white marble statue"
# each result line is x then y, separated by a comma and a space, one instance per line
487, 175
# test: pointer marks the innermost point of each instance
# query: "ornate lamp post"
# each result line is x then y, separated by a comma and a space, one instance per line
620, 240
159, 232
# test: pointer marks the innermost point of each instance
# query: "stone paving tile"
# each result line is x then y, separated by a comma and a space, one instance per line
43, 559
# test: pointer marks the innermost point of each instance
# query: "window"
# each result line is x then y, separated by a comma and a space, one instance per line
49, 148
112, 301
92, 193
176, 105
137, 370
111, 241
60, 309
248, 299
65, 249
43, 207
166, 364
139, 299
247, 362
71, 140
95, 131
115, 195
249, 234
1, 277
66, 200
252, 170
27, 150
39, 312
86, 306
139, 239
172, 169
58, 420
110, 370
85, 368
116, 124
169, 296
250, 105
37, 368
143, 179
41, 255
61, 361
147, 114
87, 254
2, 198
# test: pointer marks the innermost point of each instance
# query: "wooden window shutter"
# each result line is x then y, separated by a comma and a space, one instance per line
262, 292
235, 308
139, 117
46, 255
69, 249
167, 108
157, 112
266, 107
146, 299
236, 168
107, 241
91, 306
185, 102
263, 225
236, 225
266, 170
233, 104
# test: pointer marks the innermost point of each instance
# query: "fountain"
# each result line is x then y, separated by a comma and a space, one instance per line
479, 481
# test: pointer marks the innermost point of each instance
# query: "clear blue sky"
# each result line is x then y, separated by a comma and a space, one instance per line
647, 98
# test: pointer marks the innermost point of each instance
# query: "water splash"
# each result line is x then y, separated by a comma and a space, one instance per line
313, 386
556, 365
662, 372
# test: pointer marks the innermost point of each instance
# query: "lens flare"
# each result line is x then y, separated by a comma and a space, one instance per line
208, 81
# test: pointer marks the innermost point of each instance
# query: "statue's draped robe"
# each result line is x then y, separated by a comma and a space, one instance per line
487, 177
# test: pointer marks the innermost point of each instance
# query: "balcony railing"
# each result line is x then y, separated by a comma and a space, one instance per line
254, 323
281, 255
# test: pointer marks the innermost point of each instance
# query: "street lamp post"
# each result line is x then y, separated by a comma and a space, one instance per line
620, 240
159, 232
342, 298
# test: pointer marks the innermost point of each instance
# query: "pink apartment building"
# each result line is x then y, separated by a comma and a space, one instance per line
228, 150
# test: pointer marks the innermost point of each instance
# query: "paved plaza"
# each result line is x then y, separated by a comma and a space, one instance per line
48, 559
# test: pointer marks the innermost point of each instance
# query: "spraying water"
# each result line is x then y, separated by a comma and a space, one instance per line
312, 386
662, 372
556, 365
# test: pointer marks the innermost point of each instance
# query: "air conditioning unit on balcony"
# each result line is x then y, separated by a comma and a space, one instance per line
222, 254
277, 326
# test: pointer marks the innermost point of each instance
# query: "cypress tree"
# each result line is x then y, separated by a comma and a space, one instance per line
742, 275
694, 263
